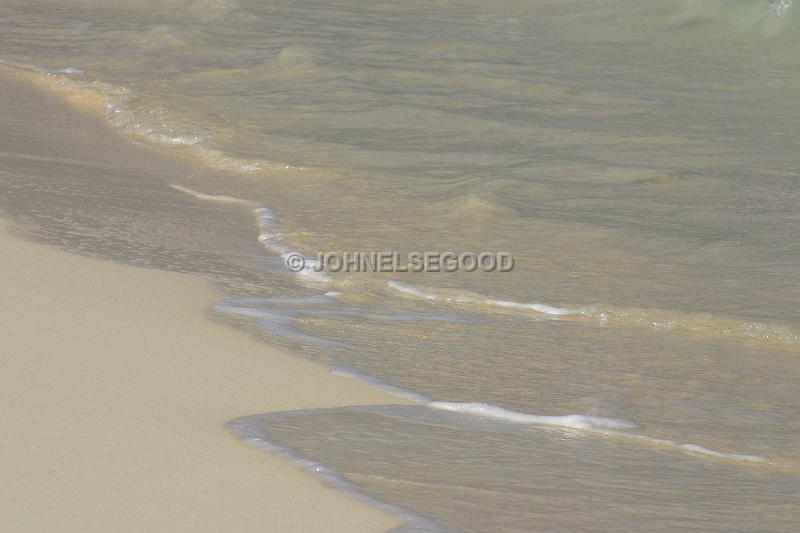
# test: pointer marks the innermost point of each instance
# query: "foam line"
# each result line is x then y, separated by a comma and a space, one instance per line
476, 299
597, 424
591, 423
606, 426
704, 323
212, 197
693, 448
272, 242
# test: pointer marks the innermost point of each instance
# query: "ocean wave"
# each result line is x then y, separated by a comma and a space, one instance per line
271, 241
116, 104
602, 425
597, 424
703, 323
574, 421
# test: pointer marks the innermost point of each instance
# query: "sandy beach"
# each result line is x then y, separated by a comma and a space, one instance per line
115, 392
116, 386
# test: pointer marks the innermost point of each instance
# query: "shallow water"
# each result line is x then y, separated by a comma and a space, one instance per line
638, 159
512, 478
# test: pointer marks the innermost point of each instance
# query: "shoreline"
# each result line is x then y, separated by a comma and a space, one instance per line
116, 391
117, 385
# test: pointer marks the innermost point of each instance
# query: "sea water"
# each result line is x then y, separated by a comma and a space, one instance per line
638, 369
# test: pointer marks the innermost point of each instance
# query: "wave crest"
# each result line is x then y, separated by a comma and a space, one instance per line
703, 323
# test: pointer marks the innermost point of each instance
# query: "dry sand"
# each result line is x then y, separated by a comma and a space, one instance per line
113, 395
115, 386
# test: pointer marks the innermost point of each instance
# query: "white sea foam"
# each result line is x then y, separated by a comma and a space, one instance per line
211, 197
608, 426
155, 125
611, 427
477, 299
780, 7
311, 271
704, 323
273, 242
71, 70
413, 291
282, 321
591, 423
532, 306
693, 448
